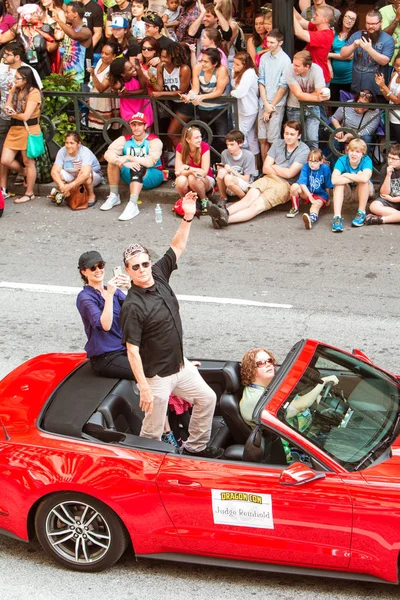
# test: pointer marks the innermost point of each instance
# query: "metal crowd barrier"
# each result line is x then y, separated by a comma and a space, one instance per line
77, 106
378, 149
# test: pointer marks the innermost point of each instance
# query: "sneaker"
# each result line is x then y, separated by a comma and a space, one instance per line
112, 200
373, 220
169, 438
219, 214
208, 452
204, 206
7, 194
359, 219
131, 211
292, 212
307, 221
337, 224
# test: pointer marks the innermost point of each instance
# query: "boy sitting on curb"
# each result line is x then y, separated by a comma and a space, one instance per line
236, 169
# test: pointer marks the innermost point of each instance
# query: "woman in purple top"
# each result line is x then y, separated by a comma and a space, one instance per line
100, 307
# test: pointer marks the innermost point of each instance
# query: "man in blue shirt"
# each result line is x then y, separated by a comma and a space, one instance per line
372, 54
353, 169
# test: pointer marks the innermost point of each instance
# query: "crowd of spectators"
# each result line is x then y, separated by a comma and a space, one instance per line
189, 56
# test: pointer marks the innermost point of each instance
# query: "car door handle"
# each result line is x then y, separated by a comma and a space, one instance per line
184, 483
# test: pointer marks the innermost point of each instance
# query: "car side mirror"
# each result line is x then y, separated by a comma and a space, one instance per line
299, 473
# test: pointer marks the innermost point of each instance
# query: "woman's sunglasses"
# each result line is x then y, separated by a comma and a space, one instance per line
365, 95
262, 363
99, 265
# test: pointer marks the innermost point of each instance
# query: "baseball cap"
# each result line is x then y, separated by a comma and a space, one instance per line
153, 19
119, 22
138, 117
88, 259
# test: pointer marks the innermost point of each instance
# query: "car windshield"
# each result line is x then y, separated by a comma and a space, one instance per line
344, 406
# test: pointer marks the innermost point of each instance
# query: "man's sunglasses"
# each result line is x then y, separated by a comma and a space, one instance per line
144, 264
99, 265
262, 363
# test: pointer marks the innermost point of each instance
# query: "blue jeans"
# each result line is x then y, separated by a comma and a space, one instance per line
311, 123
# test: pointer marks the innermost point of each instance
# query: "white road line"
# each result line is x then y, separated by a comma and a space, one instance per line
73, 291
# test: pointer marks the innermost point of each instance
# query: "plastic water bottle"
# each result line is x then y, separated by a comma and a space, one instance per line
158, 213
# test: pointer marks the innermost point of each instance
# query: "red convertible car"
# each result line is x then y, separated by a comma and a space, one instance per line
75, 473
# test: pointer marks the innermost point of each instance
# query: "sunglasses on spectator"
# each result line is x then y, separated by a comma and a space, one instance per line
262, 363
148, 49
365, 95
99, 265
144, 264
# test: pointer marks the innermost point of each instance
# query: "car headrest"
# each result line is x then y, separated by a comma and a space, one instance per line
254, 448
231, 373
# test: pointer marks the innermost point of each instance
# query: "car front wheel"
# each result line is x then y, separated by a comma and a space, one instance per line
80, 532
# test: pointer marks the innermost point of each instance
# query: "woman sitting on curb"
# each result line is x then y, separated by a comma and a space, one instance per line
192, 166
75, 165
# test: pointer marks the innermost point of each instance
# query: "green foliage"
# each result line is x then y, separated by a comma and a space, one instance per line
56, 107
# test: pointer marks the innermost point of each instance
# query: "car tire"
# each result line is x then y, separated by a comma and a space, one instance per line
80, 532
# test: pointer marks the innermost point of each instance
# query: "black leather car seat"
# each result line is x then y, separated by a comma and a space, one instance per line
120, 408
229, 403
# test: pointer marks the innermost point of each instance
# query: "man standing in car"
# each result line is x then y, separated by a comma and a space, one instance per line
152, 332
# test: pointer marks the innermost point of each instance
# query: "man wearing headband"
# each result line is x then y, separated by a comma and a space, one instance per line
136, 158
152, 332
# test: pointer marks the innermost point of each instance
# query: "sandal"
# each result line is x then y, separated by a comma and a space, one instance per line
24, 198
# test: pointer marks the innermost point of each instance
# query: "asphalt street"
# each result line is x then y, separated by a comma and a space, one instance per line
339, 288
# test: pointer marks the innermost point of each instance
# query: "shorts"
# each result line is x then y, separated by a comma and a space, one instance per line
271, 130
244, 185
389, 204
181, 108
316, 197
351, 192
274, 190
68, 177
211, 183
153, 178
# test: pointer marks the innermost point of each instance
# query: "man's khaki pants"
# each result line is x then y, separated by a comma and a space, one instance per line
189, 385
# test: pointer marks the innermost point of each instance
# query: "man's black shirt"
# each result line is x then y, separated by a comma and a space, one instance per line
93, 18
226, 35
150, 319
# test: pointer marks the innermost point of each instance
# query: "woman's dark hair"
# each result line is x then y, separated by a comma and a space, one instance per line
155, 44
56, 3
19, 96
214, 56
125, 42
177, 54
117, 69
75, 135
2, 8
339, 24
115, 47
257, 39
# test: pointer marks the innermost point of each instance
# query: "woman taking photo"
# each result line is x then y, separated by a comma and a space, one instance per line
257, 43
342, 68
392, 93
100, 82
149, 60
245, 88
192, 166
75, 165
23, 106
209, 81
100, 306
128, 81
173, 77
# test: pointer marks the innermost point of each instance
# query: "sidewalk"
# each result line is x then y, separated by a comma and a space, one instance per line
164, 194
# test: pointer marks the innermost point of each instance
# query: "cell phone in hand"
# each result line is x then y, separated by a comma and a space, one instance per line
365, 34
117, 271
219, 165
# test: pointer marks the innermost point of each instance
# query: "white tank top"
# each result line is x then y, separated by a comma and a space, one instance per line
395, 89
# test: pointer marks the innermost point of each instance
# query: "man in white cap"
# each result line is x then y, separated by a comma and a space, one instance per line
136, 159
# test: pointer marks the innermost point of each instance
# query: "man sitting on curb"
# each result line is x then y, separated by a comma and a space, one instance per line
136, 159
351, 179
386, 208
284, 162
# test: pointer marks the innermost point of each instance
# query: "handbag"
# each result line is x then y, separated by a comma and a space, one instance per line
78, 198
35, 145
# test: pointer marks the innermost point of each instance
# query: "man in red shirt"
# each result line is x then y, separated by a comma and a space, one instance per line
318, 35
